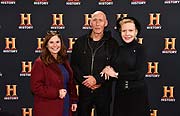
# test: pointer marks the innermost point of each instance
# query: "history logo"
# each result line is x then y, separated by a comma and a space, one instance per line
138, 2
5, 2
57, 21
11, 92
25, 21
10, 45
169, 46
73, 2
105, 2
152, 69
154, 21
39, 45
87, 18
171, 1
27, 111
168, 94
41, 2
26, 68
153, 112
71, 43
120, 15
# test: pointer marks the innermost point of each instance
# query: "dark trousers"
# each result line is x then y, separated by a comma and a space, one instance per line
101, 105
131, 102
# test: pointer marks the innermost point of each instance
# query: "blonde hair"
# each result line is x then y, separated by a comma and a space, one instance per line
124, 21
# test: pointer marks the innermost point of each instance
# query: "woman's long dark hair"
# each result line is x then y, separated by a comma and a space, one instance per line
46, 56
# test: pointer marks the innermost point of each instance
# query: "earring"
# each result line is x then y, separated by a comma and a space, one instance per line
135, 38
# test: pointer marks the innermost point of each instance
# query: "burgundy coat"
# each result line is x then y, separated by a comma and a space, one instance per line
45, 84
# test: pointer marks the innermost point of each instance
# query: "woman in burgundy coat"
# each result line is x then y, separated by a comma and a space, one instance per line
52, 81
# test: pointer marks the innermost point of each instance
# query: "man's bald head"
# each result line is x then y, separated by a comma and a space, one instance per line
98, 23
99, 13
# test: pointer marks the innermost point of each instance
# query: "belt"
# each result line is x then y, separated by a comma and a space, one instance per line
125, 84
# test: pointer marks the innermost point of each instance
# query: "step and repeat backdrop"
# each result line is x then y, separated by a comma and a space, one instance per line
23, 24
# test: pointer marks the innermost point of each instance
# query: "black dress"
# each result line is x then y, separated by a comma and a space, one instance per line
131, 94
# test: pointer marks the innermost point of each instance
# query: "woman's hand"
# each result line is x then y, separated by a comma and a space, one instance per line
104, 73
108, 71
73, 107
62, 93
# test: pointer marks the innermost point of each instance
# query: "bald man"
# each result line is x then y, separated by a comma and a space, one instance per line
91, 53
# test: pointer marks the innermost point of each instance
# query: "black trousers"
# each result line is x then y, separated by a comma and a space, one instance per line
100, 103
131, 102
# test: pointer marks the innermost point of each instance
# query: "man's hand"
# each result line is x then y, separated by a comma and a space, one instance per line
89, 82
95, 86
